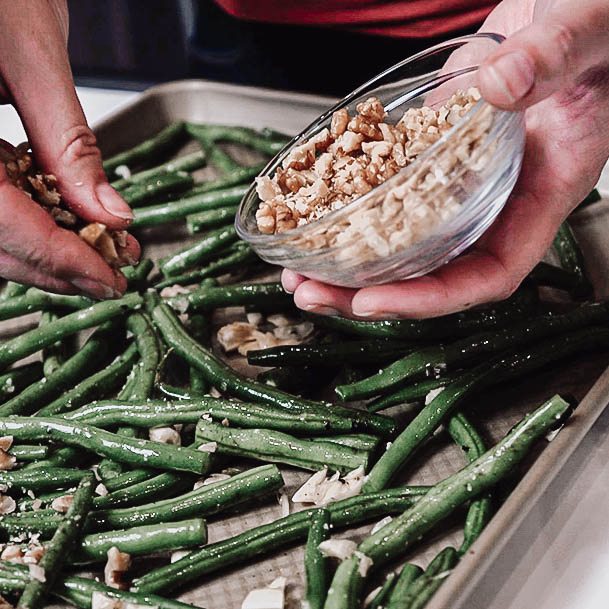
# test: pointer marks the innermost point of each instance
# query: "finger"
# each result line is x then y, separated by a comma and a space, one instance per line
41, 86
316, 297
29, 234
546, 56
291, 280
15, 270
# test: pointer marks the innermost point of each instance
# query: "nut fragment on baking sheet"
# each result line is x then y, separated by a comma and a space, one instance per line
7, 504
360, 152
7, 461
117, 565
270, 597
62, 504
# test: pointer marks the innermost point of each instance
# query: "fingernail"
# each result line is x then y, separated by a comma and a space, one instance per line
112, 202
379, 315
287, 291
513, 74
322, 310
95, 288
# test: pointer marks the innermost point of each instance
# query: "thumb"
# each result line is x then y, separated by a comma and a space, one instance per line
547, 55
35, 67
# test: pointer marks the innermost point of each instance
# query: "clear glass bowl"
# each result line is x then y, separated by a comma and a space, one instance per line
481, 189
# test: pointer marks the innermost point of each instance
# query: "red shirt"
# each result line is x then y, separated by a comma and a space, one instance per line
398, 18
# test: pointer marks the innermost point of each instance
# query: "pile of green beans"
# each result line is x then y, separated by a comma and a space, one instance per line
131, 408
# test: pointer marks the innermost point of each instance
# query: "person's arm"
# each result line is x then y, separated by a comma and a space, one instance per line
555, 63
35, 76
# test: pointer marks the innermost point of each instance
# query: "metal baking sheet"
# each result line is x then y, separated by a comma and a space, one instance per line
495, 412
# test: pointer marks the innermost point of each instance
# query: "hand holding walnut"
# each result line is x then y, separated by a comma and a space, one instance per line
35, 76
554, 64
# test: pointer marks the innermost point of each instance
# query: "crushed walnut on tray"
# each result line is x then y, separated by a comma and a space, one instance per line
42, 188
355, 154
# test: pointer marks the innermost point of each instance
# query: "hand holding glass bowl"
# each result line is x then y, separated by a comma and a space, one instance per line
476, 187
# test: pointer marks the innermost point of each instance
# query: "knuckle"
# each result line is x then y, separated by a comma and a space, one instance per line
77, 143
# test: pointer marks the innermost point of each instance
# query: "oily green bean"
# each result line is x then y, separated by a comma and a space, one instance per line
60, 457
316, 564
410, 393
208, 247
119, 448
359, 441
188, 162
239, 176
203, 501
268, 538
380, 598
484, 375
278, 447
473, 347
443, 499
237, 135
212, 218
172, 211
36, 300
58, 549
200, 331
143, 540
408, 575
62, 379
12, 289
171, 183
218, 158
148, 347
556, 277
222, 377
149, 150
29, 452
425, 586
101, 382
50, 478
54, 355
521, 305
128, 478
15, 380
327, 354
39, 338
233, 259
571, 258
137, 275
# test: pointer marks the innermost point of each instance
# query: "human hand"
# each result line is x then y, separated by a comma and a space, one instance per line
554, 64
35, 76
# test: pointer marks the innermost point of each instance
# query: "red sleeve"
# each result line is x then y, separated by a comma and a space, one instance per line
400, 18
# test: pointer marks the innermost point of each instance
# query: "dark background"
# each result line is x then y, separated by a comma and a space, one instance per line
135, 43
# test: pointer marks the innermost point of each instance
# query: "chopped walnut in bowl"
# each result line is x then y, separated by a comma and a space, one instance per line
397, 179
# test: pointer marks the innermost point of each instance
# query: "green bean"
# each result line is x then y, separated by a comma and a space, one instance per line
209, 298
551, 276
12, 289
278, 447
240, 176
100, 382
200, 331
119, 448
139, 541
148, 347
327, 354
203, 501
35, 300
78, 591
218, 158
149, 150
316, 564
50, 478
63, 378
15, 380
359, 441
221, 376
129, 478
108, 469
136, 275
298, 380
188, 162
54, 355
27, 452
408, 575
235, 259
212, 243
379, 599
410, 393
520, 305
34, 340
443, 499
472, 348
212, 218
178, 393
162, 185
28, 503
484, 375
425, 586
237, 135
60, 457
172, 211
479, 512
58, 549
157, 487
571, 258
268, 538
